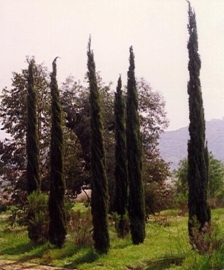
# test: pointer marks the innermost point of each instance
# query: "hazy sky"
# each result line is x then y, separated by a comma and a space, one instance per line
157, 30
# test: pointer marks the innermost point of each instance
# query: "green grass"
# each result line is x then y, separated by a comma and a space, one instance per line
165, 247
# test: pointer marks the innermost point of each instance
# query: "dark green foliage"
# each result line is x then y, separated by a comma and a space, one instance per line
99, 183
32, 142
134, 158
32, 150
121, 193
197, 169
122, 225
57, 226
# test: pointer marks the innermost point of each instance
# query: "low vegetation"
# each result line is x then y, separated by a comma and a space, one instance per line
165, 247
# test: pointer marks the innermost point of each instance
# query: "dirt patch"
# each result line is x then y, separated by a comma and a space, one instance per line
12, 265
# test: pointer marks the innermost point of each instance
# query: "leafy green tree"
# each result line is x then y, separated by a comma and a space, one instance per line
215, 177
134, 159
181, 177
73, 163
152, 116
155, 170
121, 194
57, 226
32, 142
99, 185
75, 102
153, 121
13, 113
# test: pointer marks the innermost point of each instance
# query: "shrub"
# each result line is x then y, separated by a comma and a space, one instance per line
80, 227
208, 240
18, 215
38, 217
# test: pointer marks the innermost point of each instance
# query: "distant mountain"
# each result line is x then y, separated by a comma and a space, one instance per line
173, 144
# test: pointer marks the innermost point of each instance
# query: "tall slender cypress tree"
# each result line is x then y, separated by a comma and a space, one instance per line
99, 185
120, 161
32, 149
134, 158
57, 226
32, 145
197, 167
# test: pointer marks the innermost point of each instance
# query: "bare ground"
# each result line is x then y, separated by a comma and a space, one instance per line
13, 265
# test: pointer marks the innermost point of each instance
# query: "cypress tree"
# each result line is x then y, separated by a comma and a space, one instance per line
32, 145
120, 161
197, 168
57, 225
99, 185
134, 159
32, 149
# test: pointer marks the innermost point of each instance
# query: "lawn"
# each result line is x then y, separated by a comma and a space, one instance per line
165, 247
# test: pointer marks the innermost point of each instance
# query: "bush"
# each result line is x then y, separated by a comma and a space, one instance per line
38, 217
158, 197
80, 227
18, 215
208, 240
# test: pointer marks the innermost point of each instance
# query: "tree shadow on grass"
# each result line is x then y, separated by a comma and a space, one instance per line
25, 248
89, 257
17, 250
122, 245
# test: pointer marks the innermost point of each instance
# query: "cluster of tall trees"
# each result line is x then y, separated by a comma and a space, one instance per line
76, 128
32, 157
128, 175
111, 144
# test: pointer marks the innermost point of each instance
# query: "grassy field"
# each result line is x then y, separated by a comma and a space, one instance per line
166, 247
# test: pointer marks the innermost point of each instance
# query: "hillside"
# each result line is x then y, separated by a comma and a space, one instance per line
173, 144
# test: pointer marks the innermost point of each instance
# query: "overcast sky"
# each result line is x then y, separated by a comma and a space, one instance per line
157, 30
